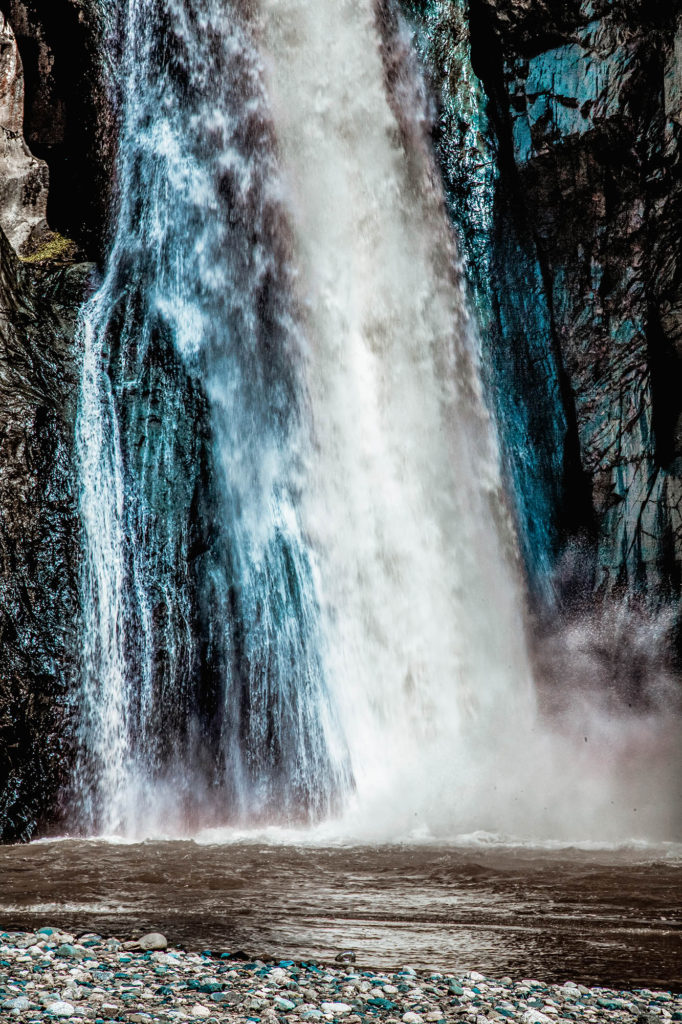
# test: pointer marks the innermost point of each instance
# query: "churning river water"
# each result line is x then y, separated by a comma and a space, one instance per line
596, 917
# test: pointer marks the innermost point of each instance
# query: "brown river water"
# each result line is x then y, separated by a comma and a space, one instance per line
596, 917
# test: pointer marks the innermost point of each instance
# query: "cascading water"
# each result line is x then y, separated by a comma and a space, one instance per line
403, 501
202, 664
299, 587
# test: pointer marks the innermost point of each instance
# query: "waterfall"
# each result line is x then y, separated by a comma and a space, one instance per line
300, 590
202, 665
403, 504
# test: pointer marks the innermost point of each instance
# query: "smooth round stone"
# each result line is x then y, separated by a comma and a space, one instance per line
21, 1003
200, 1012
283, 1004
67, 950
336, 1009
412, 1018
60, 1009
153, 942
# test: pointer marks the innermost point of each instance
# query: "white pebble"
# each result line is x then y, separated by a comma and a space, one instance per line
332, 1009
60, 1009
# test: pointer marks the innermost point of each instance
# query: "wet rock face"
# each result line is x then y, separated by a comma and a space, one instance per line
575, 263
595, 134
39, 535
40, 544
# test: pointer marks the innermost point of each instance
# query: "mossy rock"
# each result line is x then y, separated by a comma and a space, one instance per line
51, 248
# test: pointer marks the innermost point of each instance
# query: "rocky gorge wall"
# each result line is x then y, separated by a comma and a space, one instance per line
558, 127
40, 543
39, 534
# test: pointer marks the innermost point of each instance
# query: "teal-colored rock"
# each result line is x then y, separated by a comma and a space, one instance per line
164, 990
66, 949
45, 931
456, 990
504, 1012
210, 986
284, 1004
381, 1004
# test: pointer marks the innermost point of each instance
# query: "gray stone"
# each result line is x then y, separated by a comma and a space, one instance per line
60, 1009
153, 941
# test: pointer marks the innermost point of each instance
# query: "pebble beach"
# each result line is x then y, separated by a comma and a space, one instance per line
51, 975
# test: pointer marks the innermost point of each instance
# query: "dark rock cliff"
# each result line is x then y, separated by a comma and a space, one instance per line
559, 129
55, 152
68, 122
40, 295
39, 534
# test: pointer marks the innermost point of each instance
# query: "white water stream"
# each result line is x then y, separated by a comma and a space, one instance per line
423, 610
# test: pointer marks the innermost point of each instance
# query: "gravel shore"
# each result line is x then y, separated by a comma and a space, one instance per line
50, 975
